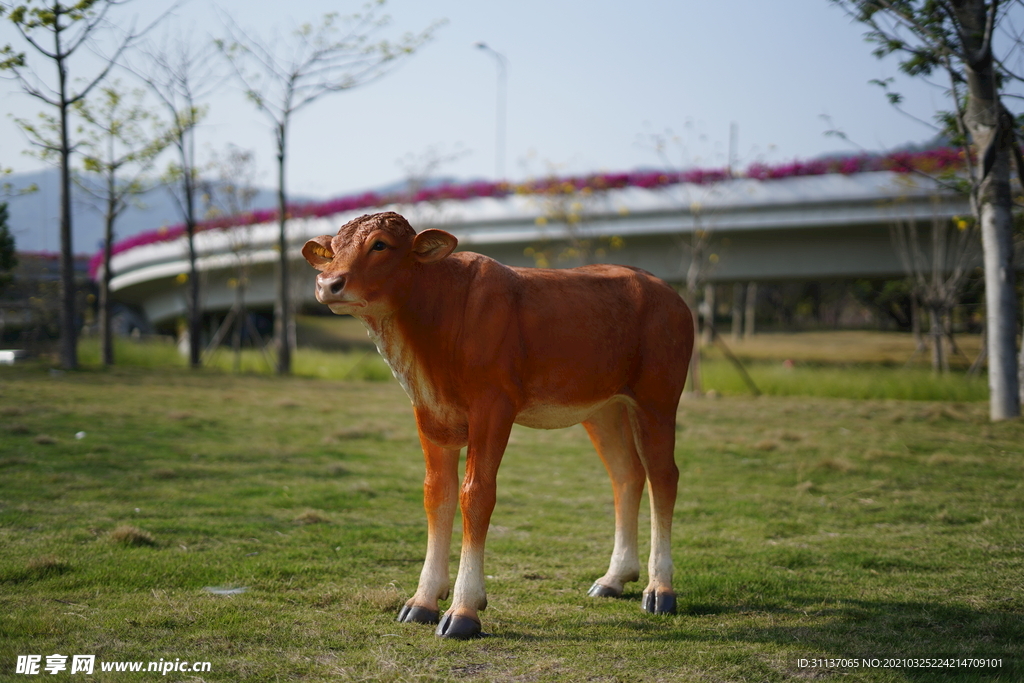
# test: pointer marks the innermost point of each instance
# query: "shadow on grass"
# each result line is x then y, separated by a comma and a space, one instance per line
871, 629
824, 628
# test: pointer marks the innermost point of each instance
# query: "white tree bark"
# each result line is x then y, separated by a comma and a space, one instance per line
1000, 311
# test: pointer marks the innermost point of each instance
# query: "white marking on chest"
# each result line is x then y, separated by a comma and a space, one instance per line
399, 357
395, 354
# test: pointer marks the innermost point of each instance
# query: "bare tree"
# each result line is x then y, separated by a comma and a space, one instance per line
232, 193
702, 259
340, 53
956, 39
118, 147
57, 32
938, 272
181, 74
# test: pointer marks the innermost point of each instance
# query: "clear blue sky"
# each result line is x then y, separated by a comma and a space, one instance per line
586, 80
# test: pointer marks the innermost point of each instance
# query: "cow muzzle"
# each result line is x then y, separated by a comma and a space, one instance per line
329, 286
330, 290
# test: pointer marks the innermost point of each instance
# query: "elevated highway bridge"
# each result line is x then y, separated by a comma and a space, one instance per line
822, 227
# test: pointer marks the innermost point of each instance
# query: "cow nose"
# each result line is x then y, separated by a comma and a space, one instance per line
333, 284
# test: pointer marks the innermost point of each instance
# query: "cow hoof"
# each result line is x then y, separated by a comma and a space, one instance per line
414, 614
601, 591
660, 603
458, 627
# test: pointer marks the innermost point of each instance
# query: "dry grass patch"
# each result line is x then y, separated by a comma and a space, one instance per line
879, 454
836, 464
47, 565
941, 459
351, 433
45, 440
368, 430
938, 412
311, 517
133, 536
387, 599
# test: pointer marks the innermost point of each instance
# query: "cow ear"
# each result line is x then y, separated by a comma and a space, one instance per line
433, 245
318, 251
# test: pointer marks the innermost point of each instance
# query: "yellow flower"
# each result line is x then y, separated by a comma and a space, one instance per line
182, 278
541, 220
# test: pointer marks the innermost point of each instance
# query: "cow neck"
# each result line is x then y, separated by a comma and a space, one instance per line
386, 335
415, 331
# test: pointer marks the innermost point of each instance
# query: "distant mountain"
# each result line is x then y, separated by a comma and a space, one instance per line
33, 218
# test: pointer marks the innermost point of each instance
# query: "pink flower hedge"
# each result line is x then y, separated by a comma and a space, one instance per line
931, 161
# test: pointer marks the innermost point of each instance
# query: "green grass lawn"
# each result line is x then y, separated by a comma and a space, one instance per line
806, 527
846, 364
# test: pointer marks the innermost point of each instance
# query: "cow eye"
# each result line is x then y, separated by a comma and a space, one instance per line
379, 246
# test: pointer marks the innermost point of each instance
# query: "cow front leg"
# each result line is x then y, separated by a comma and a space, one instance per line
488, 436
440, 492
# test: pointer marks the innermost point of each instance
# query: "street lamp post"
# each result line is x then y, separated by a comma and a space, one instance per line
499, 153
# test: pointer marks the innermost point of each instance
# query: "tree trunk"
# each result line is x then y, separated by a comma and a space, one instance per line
106, 329
748, 317
1020, 374
1000, 310
692, 282
240, 318
708, 311
195, 315
737, 311
68, 322
915, 322
693, 376
282, 314
993, 208
939, 361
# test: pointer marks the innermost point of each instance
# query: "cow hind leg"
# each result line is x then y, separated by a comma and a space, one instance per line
611, 434
654, 433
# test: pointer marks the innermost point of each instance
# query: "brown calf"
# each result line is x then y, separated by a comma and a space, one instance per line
478, 347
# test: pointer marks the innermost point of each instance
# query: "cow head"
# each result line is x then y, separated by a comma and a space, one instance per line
370, 259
